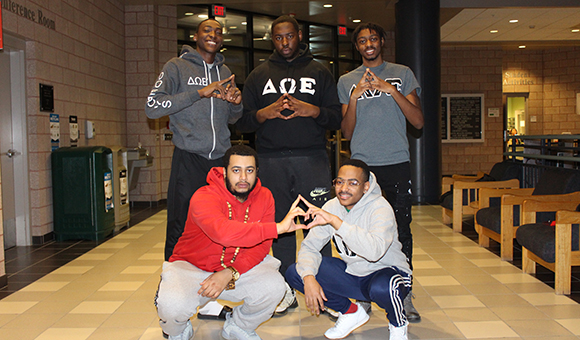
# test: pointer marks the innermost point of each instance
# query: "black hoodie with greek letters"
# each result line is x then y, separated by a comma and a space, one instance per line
304, 79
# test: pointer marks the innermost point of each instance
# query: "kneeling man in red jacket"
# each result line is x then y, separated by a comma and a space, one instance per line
223, 252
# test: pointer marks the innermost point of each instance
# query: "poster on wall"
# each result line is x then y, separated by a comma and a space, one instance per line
462, 118
54, 131
74, 130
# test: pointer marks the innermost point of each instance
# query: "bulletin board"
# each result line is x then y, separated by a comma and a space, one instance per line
462, 118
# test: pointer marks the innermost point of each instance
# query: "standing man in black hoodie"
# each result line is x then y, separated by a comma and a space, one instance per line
290, 101
198, 93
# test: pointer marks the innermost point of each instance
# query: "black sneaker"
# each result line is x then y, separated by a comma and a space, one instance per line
410, 311
221, 316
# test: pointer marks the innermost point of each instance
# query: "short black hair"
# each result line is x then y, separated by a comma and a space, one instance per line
371, 26
208, 19
240, 150
285, 18
359, 164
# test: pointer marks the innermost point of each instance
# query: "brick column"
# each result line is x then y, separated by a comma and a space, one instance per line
151, 40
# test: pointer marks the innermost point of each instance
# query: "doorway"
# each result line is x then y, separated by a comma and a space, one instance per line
13, 144
516, 112
515, 120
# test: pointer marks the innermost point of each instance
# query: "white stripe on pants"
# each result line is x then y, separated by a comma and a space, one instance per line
261, 288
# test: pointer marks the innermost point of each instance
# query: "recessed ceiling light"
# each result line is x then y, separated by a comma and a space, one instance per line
189, 13
233, 27
522, 46
191, 36
244, 23
227, 40
202, 16
327, 5
356, 20
576, 30
513, 21
493, 31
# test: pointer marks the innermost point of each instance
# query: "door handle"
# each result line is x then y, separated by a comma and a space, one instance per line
11, 153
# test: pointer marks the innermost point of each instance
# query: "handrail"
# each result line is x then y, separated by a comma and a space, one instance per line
544, 137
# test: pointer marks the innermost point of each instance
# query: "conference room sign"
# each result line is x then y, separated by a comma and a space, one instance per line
32, 14
462, 118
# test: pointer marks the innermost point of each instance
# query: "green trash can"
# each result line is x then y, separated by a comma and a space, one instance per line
82, 191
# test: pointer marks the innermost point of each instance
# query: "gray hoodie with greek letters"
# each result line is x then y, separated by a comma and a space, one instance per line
199, 125
367, 240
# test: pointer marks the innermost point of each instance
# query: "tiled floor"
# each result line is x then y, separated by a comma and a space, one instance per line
462, 292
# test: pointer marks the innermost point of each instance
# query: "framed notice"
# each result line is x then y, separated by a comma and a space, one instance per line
462, 118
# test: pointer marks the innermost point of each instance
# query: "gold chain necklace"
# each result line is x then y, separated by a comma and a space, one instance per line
237, 248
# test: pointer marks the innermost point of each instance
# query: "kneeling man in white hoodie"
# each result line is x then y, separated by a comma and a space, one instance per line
372, 267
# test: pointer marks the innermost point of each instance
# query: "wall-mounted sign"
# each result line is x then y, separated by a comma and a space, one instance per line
517, 78
74, 130
54, 131
462, 118
342, 30
493, 112
29, 13
218, 11
46, 97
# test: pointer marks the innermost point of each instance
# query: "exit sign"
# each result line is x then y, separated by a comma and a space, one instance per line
218, 11
341, 30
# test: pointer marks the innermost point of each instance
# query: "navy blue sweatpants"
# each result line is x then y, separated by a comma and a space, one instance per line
387, 287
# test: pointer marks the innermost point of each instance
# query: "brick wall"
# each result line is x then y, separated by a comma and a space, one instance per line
151, 41
474, 70
83, 58
523, 73
561, 83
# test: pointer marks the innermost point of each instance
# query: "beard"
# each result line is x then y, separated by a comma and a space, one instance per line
239, 195
371, 58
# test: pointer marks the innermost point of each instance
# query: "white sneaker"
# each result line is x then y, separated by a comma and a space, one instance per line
289, 301
187, 333
347, 323
232, 331
398, 333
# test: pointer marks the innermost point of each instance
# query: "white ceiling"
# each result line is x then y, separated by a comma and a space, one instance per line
535, 26
542, 23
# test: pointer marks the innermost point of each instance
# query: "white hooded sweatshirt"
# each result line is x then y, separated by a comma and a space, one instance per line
367, 240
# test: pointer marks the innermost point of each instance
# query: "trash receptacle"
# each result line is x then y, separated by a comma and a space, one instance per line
82, 191
120, 187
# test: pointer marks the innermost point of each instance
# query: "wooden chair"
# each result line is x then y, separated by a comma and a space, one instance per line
500, 223
461, 201
459, 210
555, 248
446, 188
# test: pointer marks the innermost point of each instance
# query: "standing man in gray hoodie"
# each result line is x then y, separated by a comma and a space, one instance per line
372, 267
198, 93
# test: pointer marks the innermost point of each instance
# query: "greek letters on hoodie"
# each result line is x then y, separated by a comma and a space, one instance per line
304, 79
199, 125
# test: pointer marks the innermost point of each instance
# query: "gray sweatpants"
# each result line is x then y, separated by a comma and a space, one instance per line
261, 288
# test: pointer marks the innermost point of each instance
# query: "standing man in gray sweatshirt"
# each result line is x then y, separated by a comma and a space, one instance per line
198, 93
372, 266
